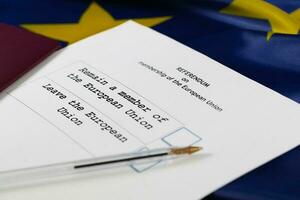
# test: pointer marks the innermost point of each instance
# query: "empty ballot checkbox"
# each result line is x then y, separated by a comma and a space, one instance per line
181, 137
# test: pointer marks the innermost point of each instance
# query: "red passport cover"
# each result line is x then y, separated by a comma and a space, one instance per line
20, 51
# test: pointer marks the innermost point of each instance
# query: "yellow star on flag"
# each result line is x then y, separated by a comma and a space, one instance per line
280, 21
94, 20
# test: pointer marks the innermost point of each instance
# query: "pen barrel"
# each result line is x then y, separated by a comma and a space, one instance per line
126, 159
74, 169
34, 175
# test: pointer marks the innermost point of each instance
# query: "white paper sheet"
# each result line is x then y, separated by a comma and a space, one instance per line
130, 89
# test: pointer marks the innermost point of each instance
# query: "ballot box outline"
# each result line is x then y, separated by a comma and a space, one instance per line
194, 138
182, 130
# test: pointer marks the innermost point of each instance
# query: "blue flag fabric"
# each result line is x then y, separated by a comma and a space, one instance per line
256, 38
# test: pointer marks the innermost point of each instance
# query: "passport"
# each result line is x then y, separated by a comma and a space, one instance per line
20, 51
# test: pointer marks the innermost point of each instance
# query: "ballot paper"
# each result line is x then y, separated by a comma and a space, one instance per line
132, 89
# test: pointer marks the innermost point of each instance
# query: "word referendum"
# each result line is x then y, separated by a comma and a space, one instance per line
193, 76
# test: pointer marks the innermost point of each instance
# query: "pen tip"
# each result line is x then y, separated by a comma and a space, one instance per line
194, 149
186, 150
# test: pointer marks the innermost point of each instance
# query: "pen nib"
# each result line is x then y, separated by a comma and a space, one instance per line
185, 150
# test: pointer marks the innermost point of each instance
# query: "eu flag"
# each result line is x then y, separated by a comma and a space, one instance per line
257, 38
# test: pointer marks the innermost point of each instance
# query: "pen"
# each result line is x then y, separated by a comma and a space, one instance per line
46, 173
